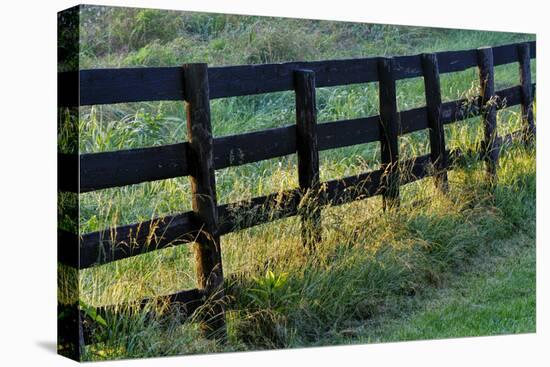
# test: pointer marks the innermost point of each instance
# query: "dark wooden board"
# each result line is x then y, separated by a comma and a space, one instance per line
67, 172
67, 248
351, 188
207, 249
512, 137
122, 242
339, 134
432, 87
259, 210
307, 151
463, 109
232, 81
413, 120
453, 61
415, 169
126, 167
68, 89
407, 67
526, 91
389, 132
236, 150
488, 110
103, 86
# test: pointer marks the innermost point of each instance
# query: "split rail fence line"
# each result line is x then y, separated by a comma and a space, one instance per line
202, 154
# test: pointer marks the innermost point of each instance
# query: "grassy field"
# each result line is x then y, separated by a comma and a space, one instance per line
443, 266
498, 297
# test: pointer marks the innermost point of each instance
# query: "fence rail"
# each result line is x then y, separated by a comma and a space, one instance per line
203, 154
105, 86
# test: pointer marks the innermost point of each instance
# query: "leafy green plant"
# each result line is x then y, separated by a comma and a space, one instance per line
92, 313
271, 291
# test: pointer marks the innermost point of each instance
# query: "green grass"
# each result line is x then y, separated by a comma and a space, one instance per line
497, 296
500, 302
408, 274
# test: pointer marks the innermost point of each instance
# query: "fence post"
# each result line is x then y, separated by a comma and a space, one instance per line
432, 88
203, 187
489, 112
389, 128
308, 155
524, 58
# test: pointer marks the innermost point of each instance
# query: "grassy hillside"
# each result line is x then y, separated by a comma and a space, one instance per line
373, 268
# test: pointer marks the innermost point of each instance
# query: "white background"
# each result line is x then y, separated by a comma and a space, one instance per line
28, 182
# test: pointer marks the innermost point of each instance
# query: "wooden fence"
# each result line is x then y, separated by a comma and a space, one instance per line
202, 154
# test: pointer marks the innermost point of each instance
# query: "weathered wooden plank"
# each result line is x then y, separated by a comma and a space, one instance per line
450, 62
259, 210
127, 167
458, 110
339, 134
121, 242
417, 168
413, 120
308, 155
102, 86
67, 172
509, 138
236, 150
437, 133
406, 66
67, 248
68, 89
488, 111
208, 259
352, 188
508, 97
453, 61
526, 91
505, 54
231, 81
463, 109
389, 129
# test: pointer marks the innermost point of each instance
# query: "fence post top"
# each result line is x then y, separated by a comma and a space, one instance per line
428, 55
485, 49
524, 46
195, 65
303, 71
387, 63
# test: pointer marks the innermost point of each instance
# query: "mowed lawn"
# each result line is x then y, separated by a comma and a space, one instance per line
496, 296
